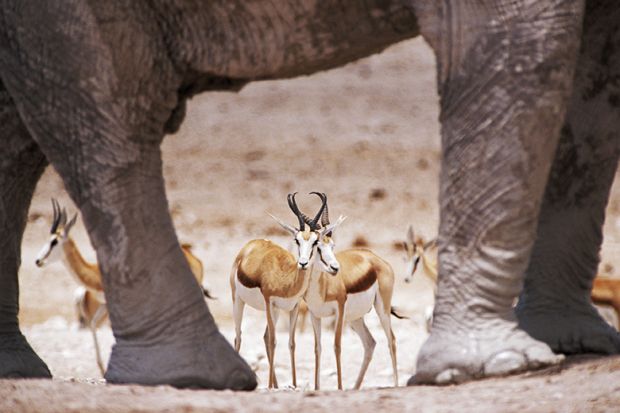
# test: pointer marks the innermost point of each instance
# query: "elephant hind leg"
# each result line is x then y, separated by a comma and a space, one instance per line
501, 111
21, 166
555, 305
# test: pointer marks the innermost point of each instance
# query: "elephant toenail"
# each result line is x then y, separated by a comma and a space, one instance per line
505, 362
451, 376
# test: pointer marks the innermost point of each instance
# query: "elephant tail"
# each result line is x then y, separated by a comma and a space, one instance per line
396, 313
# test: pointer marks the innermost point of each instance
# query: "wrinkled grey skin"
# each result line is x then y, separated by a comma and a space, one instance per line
522, 205
92, 87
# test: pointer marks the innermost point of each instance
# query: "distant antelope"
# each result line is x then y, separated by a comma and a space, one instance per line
87, 301
364, 280
605, 290
90, 300
418, 251
269, 278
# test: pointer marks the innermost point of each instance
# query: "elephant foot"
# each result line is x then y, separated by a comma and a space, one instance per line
571, 330
18, 359
499, 349
206, 362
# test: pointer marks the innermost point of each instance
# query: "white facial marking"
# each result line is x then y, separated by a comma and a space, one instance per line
327, 257
412, 265
305, 247
50, 251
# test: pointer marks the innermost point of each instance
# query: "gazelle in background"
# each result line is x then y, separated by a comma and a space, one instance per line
87, 301
269, 278
90, 299
418, 251
364, 280
605, 290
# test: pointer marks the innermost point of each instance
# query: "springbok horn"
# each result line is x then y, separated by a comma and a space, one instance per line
293, 205
325, 215
56, 219
315, 222
308, 220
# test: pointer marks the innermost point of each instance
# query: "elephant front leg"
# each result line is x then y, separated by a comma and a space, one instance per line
555, 305
164, 331
505, 72
99, 114
21, 166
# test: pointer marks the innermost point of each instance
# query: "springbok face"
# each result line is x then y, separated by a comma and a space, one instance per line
326, 244
415, 249
306, 241
327, 257
52, 250
306, 236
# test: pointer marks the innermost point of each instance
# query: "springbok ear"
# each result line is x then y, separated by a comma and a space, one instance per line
410, 235
331, 227
287, 227
431, 243
63, 218
70, 224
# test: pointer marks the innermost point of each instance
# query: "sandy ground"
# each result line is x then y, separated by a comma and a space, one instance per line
367, 135
551, 390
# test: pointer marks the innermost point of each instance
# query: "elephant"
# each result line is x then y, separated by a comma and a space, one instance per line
529, 107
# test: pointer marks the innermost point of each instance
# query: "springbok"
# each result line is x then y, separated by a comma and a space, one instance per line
268, 278
87, 301
417, 251
364, 280
90, 299
605, 290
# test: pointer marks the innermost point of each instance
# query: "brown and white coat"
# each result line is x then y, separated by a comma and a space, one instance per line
364, 281
269, 278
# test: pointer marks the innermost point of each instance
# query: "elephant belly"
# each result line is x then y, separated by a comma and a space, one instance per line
359, 304
251, 296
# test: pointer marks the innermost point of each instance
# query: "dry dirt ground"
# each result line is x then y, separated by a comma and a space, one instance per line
367, 135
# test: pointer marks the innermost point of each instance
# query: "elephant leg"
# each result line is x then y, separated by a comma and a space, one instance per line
21, 166
164, 331
99, 112
504, 70
555, 305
